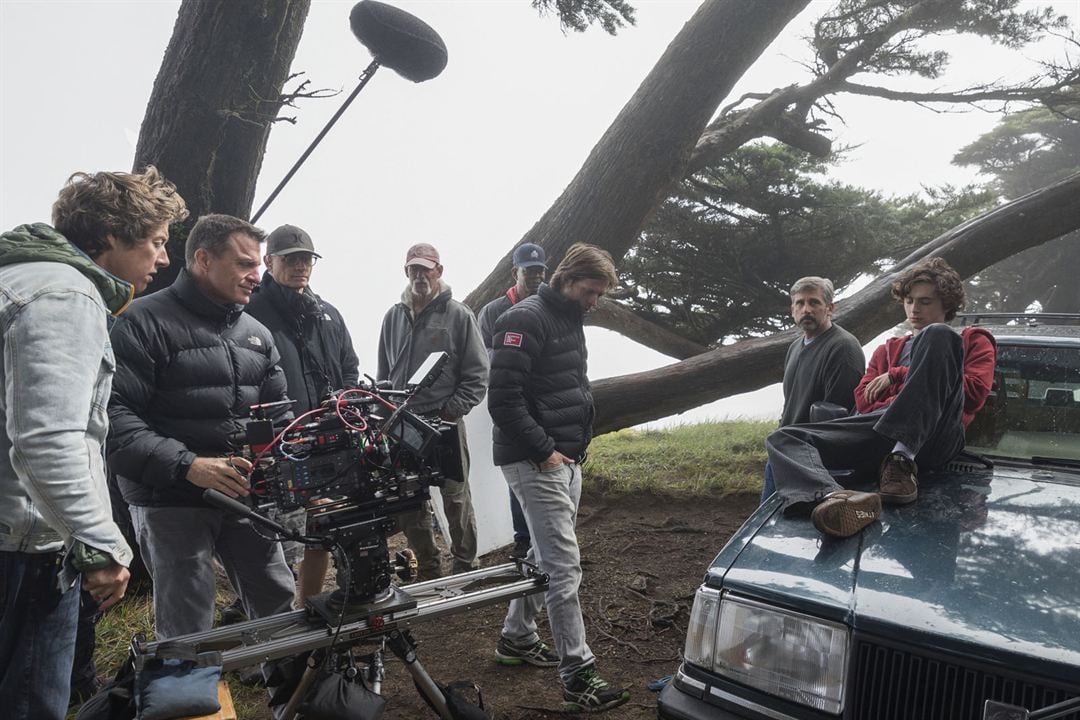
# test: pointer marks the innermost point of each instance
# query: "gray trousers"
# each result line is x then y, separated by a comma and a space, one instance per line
550, 501
926, 416
457, 503
178, 545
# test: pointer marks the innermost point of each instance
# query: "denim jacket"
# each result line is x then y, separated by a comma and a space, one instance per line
56, 376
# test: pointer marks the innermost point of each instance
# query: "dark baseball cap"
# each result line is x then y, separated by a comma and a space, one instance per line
529, 255
423, 255
289, 239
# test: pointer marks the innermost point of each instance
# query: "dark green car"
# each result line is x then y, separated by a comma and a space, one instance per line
962, 606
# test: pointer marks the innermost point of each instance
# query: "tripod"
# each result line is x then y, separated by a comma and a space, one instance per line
389, 618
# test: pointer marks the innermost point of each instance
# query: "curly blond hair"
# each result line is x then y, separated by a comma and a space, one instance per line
127, 206
937, 272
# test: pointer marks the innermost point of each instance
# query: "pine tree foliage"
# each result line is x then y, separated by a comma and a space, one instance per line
1026, 151
578, 15
718, 258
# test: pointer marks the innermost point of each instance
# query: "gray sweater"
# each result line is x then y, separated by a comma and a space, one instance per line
444, 324
828, 369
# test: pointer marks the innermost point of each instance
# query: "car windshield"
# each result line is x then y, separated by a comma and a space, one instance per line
1033, 411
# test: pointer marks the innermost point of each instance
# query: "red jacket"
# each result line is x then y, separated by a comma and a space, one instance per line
980, 355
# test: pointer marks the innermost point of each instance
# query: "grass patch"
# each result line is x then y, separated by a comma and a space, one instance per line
706, 458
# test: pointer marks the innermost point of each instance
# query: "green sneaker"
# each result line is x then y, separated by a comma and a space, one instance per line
588, 692
538, 654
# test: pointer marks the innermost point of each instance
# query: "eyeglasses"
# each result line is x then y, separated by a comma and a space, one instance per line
300, 259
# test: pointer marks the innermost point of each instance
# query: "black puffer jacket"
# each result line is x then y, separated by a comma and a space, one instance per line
317, 352
538, 394
187, 369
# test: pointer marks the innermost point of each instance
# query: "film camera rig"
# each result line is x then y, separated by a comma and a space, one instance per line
355, 462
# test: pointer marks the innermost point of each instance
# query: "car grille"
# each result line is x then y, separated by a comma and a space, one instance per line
891, 682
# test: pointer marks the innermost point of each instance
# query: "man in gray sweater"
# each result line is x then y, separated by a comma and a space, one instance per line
428, 320
824, 365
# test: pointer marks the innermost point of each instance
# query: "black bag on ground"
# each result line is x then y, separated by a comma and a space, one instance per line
115, 700
335, 696
457, 695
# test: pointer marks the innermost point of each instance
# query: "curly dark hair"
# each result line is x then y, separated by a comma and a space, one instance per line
937, 272
127, 206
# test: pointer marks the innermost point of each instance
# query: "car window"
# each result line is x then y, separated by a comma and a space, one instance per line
1033, 410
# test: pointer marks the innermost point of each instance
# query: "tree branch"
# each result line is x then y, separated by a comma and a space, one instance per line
613, 316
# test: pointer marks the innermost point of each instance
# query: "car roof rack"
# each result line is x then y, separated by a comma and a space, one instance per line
1006, 318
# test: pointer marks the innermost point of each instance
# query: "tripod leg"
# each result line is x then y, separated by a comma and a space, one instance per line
402, 646
376, 672
306, 681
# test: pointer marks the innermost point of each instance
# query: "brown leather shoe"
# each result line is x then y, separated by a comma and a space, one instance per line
845, 512
899, 484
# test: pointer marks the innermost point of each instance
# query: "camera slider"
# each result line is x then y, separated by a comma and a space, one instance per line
389, 618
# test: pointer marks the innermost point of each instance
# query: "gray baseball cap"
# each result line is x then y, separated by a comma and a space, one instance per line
289, 239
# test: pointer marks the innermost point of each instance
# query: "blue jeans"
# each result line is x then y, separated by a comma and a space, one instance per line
550, 501
769, 486
37, 637
521, 528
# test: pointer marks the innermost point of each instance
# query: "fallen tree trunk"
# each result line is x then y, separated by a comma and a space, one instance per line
1028, 221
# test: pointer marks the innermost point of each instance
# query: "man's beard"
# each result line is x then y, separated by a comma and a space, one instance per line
809, 324
421, 288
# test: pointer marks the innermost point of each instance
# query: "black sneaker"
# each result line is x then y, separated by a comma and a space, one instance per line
588, 692
538, 654
521, 549
234, 613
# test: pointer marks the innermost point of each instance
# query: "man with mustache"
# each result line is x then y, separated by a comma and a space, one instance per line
429, 320
190, 362
529, 271
60, 286
824, 365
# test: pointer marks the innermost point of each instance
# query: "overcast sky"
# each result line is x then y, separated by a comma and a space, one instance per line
468, 161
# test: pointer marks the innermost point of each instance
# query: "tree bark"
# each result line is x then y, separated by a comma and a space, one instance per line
215, 98
1028, 221
633, 167
612, 316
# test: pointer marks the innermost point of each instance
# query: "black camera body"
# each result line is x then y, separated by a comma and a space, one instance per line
354, 462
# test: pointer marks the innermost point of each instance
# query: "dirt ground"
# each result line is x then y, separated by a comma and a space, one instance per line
636, 636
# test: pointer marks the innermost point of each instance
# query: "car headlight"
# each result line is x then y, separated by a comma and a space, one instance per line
786, 654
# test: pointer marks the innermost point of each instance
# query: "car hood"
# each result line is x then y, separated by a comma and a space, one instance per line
983, 563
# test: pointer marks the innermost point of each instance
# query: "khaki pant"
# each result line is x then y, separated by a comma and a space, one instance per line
457, 503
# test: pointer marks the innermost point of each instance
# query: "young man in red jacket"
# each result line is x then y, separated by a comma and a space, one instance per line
917, 396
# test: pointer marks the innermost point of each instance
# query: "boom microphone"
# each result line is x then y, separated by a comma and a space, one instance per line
398, 40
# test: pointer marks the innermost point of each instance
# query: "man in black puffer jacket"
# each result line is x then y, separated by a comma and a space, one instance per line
190, 362
317, 356
539, 399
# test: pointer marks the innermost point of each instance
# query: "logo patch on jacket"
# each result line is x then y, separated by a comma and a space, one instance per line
512, 339
255, 341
